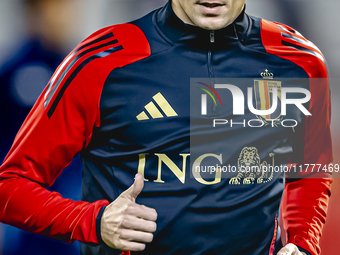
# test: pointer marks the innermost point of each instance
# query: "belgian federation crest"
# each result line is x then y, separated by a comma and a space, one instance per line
263, 90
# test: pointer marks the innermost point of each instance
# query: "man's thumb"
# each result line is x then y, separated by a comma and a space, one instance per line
135, 188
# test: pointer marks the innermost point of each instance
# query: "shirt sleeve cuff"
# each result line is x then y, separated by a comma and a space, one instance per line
98, 223
303, 250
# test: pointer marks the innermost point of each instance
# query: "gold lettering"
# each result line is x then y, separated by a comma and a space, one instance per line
197, 166
141, 165
172, 166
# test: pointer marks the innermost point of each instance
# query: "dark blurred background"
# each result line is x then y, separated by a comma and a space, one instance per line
35, 36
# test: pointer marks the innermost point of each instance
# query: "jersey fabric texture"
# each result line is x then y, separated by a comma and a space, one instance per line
121, 99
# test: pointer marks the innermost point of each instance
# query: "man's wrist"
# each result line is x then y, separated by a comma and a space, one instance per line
304, 252
98, 227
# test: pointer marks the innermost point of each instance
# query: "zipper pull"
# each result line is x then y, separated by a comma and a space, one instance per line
212, 36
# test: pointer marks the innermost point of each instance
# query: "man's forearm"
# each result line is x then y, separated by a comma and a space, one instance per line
29, 206
304, 208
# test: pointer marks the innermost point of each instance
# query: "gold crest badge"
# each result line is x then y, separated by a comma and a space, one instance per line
263, 90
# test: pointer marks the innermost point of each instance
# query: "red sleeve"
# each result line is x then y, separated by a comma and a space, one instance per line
304, 209
58, 127
305, 200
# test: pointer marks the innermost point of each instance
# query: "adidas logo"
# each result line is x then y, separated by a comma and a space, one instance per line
153, 110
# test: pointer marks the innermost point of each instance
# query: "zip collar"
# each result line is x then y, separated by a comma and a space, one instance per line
175, 30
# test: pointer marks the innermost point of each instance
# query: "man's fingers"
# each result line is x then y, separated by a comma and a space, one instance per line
135, 189
126, 225
136, 236
134, 223
289, 249
142, 212
131, 246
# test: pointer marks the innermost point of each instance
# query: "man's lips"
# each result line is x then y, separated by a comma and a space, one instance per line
211, 8
210, 5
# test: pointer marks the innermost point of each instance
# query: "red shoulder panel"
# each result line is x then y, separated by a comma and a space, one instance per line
58, 127
287, 43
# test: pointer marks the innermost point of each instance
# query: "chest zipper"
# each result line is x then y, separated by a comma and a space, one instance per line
209, 64
212, 41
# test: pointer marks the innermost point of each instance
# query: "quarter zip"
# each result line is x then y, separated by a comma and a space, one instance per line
212, 41
209, 64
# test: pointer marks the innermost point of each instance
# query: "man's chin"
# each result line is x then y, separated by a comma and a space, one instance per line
212, 23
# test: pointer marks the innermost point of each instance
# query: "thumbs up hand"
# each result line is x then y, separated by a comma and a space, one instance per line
126, 225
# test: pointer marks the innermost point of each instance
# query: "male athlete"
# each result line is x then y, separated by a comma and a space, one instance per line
122, 100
